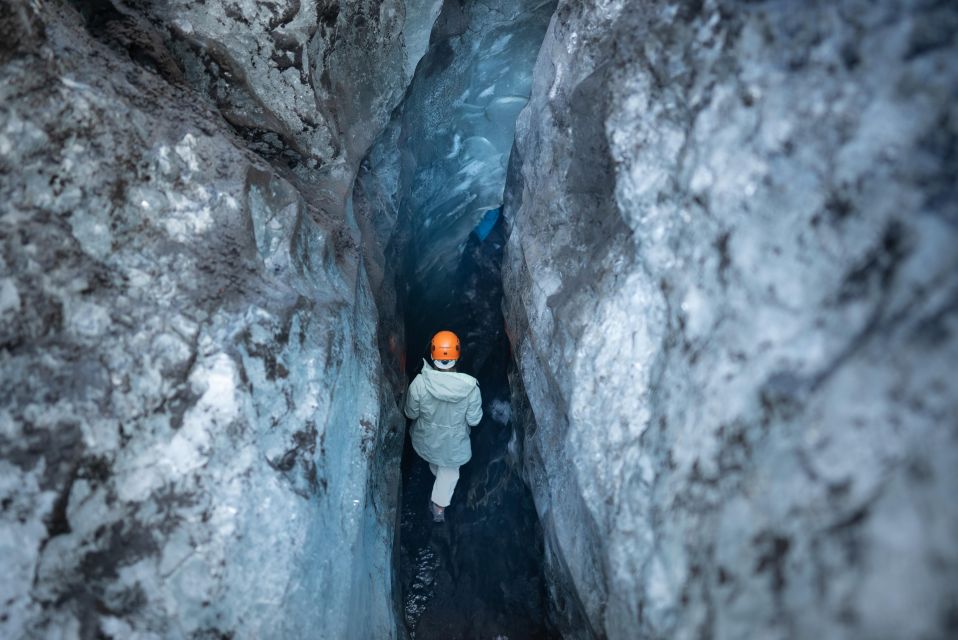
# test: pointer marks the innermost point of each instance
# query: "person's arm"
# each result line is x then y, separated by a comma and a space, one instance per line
474, 407
413, 397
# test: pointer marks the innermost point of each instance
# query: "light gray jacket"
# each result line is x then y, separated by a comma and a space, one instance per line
444, 405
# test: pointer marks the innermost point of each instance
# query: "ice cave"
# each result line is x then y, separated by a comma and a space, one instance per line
702, 257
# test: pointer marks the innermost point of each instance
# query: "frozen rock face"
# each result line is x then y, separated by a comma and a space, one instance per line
195, 436
732, 288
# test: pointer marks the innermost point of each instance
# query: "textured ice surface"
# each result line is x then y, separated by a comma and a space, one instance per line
731, 285
195, 436
309, 83
442, 162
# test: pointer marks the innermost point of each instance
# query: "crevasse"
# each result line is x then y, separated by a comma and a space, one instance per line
713, 317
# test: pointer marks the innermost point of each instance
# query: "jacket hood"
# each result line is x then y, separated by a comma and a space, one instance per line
447, 385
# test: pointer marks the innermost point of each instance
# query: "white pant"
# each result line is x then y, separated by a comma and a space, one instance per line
446, 479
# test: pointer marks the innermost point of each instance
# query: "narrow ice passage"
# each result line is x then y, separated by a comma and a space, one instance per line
700, 253
479, 574
442, 162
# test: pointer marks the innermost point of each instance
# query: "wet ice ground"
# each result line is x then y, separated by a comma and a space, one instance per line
479, 574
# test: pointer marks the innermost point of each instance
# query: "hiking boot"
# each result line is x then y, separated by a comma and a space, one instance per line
438, 513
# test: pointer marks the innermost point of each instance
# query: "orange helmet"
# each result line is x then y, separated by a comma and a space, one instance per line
444, 346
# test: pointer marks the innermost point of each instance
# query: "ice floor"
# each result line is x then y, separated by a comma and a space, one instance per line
479, 574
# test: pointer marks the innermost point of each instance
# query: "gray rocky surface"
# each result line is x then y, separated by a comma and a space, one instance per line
196, 439
732, 287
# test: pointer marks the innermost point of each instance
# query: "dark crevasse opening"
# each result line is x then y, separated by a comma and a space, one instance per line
434, 184
479, 574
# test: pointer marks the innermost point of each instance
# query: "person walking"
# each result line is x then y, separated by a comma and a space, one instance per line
444, 404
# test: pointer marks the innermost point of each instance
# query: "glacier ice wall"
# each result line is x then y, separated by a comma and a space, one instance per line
309, 83
437, 171
732, 286
196, 438
731, 293
441, 163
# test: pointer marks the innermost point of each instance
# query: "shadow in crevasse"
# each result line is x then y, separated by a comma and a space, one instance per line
479, 574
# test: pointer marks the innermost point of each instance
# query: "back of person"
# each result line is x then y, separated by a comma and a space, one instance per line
444, 404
